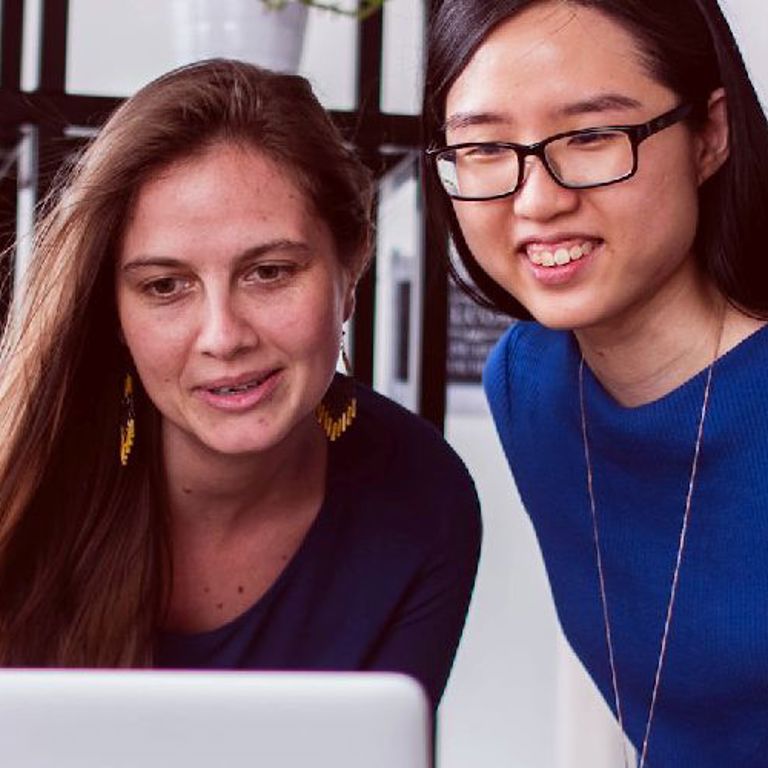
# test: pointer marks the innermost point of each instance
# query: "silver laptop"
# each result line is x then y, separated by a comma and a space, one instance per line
148, 719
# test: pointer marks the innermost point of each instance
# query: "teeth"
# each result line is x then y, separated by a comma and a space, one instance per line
235, 390
561, 256
231, 390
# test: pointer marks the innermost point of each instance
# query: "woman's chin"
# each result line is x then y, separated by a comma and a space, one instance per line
563, 318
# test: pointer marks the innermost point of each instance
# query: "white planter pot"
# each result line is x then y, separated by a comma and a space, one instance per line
239, 29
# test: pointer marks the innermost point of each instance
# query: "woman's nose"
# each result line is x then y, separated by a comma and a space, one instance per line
539, 197
226, 329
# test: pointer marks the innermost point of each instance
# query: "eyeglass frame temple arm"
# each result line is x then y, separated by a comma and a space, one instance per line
646, 130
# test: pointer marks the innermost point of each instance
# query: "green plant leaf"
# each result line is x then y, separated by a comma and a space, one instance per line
365, 8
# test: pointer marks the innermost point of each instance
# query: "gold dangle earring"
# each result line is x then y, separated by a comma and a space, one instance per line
128, 421
338, 408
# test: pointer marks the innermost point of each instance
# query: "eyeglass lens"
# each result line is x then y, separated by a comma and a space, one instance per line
580, 160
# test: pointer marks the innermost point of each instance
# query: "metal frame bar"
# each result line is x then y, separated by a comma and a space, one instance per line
58, 111
369, 52
434, 347
11, 40
53, 51
434, 334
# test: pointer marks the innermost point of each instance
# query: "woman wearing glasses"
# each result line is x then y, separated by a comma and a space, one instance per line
602, 169
183, 480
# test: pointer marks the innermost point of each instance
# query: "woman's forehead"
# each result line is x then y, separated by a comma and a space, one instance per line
552, 57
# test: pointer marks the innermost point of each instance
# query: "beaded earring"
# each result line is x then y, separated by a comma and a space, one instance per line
127, 420
338, 408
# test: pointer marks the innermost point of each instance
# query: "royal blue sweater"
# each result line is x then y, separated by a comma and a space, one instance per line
712, 708
383, 578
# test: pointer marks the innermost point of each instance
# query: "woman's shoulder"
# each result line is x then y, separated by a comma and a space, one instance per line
409, 439
525, 341
391, 458
527, 357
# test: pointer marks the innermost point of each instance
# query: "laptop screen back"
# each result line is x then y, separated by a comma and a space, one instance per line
138, 719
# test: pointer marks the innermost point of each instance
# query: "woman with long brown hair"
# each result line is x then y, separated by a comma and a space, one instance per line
183, 480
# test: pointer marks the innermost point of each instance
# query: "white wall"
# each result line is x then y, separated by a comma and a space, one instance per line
116, 46
498, 708
750, 25
517, 698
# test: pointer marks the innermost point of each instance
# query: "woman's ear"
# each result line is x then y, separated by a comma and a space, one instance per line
353, 271
349, 299
712, 139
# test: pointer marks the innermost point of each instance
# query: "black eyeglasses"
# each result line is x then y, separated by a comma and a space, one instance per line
591, 157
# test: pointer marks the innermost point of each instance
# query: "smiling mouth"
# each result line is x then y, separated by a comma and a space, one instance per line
238, 389
559, 256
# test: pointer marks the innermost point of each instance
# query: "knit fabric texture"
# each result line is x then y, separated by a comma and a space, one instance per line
712, 707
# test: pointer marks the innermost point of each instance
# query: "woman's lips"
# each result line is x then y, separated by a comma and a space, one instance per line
559, 254
556, 263
240, 394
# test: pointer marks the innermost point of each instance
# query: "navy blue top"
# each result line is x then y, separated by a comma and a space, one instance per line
384, 575
712, 707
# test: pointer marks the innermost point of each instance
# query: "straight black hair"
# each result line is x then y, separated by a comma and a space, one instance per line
688, 47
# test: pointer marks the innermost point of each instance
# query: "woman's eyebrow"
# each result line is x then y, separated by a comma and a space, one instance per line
602, 102
272, 246
150, 261
253, 252
467, 119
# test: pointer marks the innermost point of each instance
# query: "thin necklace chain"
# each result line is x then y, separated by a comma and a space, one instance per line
678, 558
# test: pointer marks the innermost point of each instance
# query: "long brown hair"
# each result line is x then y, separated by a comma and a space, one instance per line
84, 556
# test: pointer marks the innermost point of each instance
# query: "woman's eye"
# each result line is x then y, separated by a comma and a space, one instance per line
588, 140
269, 273
166, 287
488, 151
